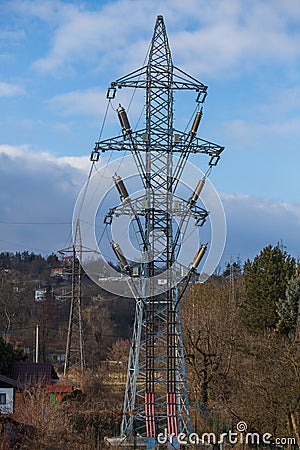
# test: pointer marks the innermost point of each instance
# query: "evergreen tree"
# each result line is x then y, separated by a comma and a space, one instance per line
6, 355
266, 280
288, 308
232, 268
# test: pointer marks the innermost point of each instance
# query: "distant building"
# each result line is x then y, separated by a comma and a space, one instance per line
7, 394
31, 374
58, 391
22, 375
39, 295
60, 272
43, 293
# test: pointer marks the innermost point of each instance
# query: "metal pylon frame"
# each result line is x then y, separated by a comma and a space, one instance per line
74, 356
156, 397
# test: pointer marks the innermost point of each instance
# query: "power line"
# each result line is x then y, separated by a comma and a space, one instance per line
3, 222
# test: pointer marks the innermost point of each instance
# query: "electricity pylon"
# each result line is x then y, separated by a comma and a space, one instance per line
74, 357
156, 397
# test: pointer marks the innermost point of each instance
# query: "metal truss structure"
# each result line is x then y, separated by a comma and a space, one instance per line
74, 357
156, 396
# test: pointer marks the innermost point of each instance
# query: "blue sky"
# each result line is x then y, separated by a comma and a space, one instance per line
57, 60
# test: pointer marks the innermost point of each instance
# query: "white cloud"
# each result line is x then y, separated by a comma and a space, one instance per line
212, 39
52, 11
87, 102
10, 90
262, 135
37, 195
250, 35
81, 163
62, 127
26, 157
215, 38
40, 188
11, 35
90, 36
253, 223
93, 102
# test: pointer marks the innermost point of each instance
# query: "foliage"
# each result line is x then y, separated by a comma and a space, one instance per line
100, 329
118, 358
266, 280
265, 384
239, 366
6, 355
288, 308
119, 351
106, 318
232, 268
80, 422
234, 372
210, 336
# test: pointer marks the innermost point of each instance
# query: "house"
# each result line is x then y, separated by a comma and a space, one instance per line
22, 375
7, 394
30, 374
61, 272
58, 391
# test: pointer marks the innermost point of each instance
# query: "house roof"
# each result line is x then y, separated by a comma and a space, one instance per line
60, 388
8, 382
26, 373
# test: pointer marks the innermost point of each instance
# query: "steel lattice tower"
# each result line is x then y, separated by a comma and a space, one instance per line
156, 396
74, 346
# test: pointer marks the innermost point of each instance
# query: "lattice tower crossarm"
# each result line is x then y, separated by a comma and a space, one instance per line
156, 396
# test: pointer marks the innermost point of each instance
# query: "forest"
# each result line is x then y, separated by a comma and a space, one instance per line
241, 333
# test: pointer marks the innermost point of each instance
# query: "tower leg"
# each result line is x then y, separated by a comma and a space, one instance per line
129, 411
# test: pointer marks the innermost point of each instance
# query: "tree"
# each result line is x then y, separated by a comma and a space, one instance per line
47, 313
210, 331
118, 357
265, 384
100, 331
266, 280
288, 308
53, 261
7, 355
232, 268
15, 308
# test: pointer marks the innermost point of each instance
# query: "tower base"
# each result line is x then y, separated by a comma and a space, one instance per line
139, 442
125, 442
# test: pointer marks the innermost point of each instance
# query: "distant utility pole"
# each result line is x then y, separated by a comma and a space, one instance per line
37, 343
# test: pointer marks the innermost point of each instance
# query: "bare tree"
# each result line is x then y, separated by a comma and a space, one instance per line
211, 332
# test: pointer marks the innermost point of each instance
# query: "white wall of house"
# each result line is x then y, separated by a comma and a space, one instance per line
7, 395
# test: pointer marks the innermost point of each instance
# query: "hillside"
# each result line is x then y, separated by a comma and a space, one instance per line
241, 332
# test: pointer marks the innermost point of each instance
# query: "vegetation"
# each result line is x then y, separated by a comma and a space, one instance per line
7, 355
288, 308
236, 372
241, 336
266, 280
23, 275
